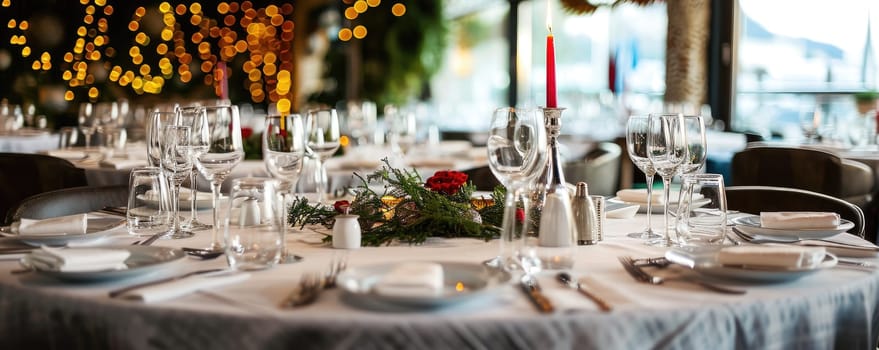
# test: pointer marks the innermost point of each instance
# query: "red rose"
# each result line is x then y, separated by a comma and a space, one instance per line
341, 207
246, 132
520, 215
446, 181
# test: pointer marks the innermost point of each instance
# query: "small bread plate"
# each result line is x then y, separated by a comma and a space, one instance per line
97, 228
703, 260
462, 282
750, 225
143, 260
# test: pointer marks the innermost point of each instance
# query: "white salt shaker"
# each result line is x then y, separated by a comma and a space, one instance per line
346, 232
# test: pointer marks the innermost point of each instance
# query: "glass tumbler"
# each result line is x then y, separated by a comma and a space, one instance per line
253, 234
147, 211
701, 212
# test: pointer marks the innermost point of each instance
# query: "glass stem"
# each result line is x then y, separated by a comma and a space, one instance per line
216, 244
194, 185
666, 184
507, 248
175, 207
320, 180
649, 204
88, 140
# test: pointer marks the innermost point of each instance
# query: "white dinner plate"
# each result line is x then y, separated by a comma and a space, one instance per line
703, 260
97, 228
461, 282
143, 260
750, 225
659, 208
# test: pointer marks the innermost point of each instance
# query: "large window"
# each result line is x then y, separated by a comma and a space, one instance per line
608, 63
800, 62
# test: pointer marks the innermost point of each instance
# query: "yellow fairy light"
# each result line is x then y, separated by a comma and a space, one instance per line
142, 38
164, 7
284, 106
137, 59
133, 26
373, 3
68, 57
95, 55
81, 31
140, 11
167, 34
195, 20
24, 25
269, 58
137, 83
345, 34
36, 65
84, 2
93, 92
180, 9
254, 75
222, 8
169, 19
206, 66
45, 57
398, 9
67, 75
162, 49
99, 41
90, 10
360, 6
359, 32
269, 69
145, 69
7, 3
11, 24
241, 46
108, 10
88, 19
68, 95
350, 13
25, 51
277, 20
185, 77
89, 79
134, 51
100, 2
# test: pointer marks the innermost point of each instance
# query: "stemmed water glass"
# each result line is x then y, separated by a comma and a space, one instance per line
322, 140
197, 119
667, 150
696, 144
176, 164
636, 144
157, 122
516, 155
88, 122
224, 152
283, 151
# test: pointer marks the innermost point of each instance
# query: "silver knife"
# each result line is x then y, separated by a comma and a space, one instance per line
532, 291
120, 291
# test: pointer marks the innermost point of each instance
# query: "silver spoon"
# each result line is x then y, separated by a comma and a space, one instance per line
565, 279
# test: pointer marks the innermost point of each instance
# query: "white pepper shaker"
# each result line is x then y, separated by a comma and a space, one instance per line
585, 216
346, 232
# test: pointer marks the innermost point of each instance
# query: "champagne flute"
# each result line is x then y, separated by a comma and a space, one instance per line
224, 152
88, 122
200, 141
322, 139
667, 150
176, 164
636, 145
517, 151
283, 151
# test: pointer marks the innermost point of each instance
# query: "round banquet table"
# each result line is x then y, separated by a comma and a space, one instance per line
832, 308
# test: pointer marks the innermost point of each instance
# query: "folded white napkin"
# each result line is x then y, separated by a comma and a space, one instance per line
76, 224
640, 196
116, 163
784, 256
67, 153
412, 279
79, 259
798, 220
181, 287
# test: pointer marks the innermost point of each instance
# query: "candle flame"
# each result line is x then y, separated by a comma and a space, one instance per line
549, 16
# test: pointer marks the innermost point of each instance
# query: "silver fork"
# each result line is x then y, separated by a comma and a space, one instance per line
336, 267
642, 276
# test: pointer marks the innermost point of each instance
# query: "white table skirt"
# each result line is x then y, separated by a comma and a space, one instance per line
834, 308
28, 143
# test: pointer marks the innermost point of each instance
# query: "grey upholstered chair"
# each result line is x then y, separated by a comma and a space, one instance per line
600, 169
24, 175
69, 201
754, 199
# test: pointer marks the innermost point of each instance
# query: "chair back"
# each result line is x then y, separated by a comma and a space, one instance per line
482, 178
754, 199
600, 169
24, 175
68, 201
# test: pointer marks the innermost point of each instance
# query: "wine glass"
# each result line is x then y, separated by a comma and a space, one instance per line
88, 122
283, 151
200, 141
516, 155
157, 122
667, 150
322, 139
401, 124
225, 151
177, 165
696, 144
636, 144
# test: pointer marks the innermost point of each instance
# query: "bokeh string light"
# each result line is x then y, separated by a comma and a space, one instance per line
355, 9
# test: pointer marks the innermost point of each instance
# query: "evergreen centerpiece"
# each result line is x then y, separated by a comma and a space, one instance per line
411, 210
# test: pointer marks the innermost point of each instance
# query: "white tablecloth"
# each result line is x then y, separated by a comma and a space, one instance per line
28, 143
833, 308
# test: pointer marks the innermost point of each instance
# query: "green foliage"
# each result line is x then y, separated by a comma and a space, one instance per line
418, 212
